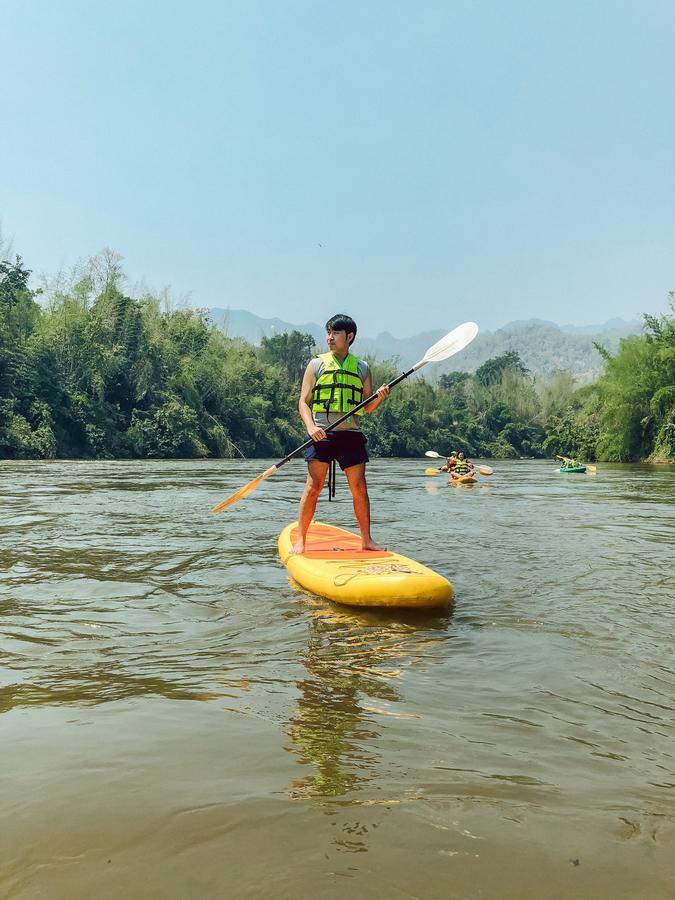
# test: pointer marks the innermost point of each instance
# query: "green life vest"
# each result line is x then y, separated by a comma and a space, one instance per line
338, 388
461, 467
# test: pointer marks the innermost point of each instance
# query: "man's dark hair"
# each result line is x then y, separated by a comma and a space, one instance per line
340, 322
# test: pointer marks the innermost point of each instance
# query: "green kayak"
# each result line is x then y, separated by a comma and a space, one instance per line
569, 469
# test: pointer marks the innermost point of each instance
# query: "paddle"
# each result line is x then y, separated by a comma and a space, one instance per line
482, 470
452, 343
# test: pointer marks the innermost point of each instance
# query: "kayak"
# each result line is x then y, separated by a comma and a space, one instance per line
463, 479
568, 469
334, 566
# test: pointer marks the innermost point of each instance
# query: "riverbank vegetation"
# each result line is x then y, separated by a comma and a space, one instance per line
87, 371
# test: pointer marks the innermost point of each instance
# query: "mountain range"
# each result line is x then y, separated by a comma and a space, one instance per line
543, 346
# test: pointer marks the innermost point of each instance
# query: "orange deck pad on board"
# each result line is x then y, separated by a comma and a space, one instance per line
327, 542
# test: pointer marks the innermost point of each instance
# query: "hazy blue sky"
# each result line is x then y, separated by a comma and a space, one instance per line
412, 163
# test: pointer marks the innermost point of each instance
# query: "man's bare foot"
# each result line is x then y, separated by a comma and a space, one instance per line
371, 545
298, 547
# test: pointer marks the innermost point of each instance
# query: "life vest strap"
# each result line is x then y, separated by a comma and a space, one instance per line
332, 472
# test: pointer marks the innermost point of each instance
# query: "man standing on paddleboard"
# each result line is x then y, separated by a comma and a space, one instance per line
334, 383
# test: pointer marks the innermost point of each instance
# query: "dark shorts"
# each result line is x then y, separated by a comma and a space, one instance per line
347, 447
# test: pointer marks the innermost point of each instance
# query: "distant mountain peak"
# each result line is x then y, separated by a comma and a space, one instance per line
543, 346
527, 323
615, 324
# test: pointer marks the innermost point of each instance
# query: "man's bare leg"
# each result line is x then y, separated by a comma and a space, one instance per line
356, 479
316, 475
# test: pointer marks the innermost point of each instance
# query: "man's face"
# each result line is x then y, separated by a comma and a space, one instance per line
338, 341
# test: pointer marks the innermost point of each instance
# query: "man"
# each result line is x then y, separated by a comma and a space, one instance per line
451, 462
333, 384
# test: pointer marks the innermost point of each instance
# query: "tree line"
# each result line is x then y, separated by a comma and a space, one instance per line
95, 373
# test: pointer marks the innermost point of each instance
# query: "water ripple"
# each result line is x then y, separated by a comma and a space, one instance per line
158, 656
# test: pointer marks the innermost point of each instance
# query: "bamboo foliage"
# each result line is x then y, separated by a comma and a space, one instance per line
96, 373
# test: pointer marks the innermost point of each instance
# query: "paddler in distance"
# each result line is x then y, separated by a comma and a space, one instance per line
463, 466
334, 383
451, 462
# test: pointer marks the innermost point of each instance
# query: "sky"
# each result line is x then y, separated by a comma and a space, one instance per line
413, 164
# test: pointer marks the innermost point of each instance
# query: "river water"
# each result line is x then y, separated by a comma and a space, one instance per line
177, 720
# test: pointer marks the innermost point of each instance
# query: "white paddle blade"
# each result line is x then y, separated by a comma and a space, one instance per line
452, 343
433, 454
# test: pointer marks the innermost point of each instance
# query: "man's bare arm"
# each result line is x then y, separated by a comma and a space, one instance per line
382, 392
308, 382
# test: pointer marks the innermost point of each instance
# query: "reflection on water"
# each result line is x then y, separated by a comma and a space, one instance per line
353, 663
328, 731
175, 704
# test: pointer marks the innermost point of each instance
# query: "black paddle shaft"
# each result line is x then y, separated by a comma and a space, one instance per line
339, 421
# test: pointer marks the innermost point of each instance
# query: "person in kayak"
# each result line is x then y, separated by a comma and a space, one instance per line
334, 383
463, 465
451, 462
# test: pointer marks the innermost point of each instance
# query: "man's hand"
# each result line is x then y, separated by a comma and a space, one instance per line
380, 394
317, 434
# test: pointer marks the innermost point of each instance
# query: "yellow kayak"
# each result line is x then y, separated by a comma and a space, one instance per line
462, 479
334, 566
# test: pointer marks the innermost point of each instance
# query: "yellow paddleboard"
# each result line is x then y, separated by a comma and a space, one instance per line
334, 566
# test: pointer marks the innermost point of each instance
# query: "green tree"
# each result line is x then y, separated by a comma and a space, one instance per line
98, 373
25, 425
492, 369
290, 351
